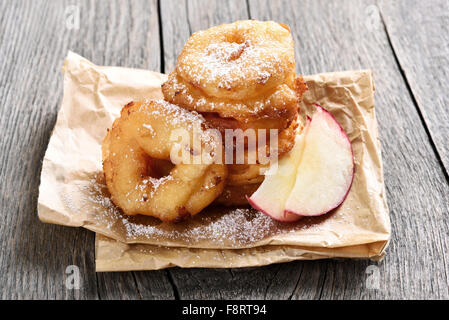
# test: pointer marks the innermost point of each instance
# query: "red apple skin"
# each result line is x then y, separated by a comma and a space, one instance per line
292, 219
352, 178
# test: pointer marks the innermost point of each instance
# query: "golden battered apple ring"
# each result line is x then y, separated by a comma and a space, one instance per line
239, 60
243, 174
244, 70
142, 134
274, 111
250, 173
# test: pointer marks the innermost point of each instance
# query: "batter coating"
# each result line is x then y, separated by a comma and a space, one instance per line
250, 173
244, 70
138, 139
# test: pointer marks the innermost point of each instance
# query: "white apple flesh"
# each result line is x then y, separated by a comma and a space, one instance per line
325, 172
271, 196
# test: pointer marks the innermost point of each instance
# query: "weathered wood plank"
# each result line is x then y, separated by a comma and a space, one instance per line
34, 256
35, 39
149, 285
329, 36
333, 36
154, 285
245, 283
180, 18
419, 34
175, 31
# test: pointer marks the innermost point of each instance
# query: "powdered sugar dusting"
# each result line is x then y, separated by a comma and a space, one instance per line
174, 115
226, 64
225, 57
217, 226
240, 226
152, 132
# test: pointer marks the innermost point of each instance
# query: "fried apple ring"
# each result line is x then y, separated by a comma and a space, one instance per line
249, 173
140, 137
232, 195
238, 60
244, 174
244, 70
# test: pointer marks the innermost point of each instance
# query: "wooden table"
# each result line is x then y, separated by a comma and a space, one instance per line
406, 43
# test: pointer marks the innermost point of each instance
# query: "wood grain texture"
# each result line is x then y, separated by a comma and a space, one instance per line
329, 36
180, 18
344, 35
155, 285
34, 256
419, 34
34, 42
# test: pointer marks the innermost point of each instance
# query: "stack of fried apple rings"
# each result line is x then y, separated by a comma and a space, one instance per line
240, 76
230, 78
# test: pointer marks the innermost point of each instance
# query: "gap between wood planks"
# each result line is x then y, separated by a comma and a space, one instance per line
173, 284
98, 285
161, 36
413, 98
169, 274
171, 279
162, 70
137, 286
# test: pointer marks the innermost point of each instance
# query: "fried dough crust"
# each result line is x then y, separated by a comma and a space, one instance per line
142, 136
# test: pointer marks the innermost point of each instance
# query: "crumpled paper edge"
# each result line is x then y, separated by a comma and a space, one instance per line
50, 214
112, 255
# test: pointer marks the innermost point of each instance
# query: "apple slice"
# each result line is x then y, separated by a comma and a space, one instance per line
325, 173
279, 180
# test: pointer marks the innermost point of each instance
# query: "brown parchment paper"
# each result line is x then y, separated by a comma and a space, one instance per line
113, 255
72, 190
